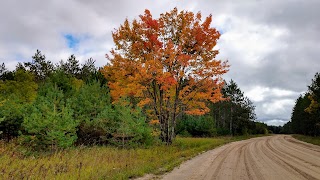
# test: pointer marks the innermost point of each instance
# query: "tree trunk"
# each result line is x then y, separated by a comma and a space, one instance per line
231, 125
167, 135
225, 124
219, 117
167, 131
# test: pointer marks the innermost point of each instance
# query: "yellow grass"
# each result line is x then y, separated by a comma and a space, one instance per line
102, 162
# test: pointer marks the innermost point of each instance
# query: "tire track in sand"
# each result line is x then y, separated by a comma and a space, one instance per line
288, 163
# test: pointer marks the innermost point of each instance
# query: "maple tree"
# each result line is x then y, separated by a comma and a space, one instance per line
167, 64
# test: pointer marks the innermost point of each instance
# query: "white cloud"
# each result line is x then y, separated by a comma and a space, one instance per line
276, 122
251, 41
272, 103
259, 93
277, 106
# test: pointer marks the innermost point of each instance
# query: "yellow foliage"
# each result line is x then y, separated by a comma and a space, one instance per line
314, 105
2, 102
23, 87
77, 83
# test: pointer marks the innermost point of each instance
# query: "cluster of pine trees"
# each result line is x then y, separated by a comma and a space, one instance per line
305, 118
56, 106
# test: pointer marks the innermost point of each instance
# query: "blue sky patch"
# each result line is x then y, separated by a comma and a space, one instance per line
18, 56
72, 41
221, 31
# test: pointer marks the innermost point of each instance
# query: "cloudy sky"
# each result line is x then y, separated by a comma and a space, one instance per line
273, 46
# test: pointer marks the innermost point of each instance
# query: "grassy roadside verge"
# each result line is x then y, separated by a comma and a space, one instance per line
104, 162
308, 139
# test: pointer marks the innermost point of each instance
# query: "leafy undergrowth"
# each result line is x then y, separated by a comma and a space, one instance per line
308, 139
102, 162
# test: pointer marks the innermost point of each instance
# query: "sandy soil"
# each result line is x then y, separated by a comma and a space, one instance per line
271, 157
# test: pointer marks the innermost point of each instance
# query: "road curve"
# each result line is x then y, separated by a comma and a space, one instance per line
270, 157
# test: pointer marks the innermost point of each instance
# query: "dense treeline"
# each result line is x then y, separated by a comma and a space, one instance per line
305, 118
52, 106
233, 116
276, 129
56, 106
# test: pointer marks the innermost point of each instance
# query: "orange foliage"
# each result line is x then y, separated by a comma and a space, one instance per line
154, 121
167, 63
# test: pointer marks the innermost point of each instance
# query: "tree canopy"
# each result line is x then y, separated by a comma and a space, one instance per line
167, 63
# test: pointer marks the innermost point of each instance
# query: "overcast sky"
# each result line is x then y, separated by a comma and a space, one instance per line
273, 46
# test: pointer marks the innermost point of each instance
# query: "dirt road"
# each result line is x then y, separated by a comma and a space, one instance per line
271, 157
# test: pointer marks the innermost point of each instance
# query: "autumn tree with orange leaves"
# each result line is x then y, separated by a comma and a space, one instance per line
167, 64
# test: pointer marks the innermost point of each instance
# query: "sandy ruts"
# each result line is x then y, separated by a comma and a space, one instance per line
271, 157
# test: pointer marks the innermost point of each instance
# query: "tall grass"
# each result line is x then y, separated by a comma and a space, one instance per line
308, 139
102, 162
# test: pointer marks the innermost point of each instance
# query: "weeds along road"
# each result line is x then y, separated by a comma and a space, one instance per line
271, 157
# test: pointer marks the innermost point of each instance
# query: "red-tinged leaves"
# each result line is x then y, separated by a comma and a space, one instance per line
167, 63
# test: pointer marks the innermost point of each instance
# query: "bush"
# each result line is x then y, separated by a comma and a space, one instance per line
104, 123
223, 131
92, 107
120, 126
197, 126
132, 127
50, 123
15, 96
11, 117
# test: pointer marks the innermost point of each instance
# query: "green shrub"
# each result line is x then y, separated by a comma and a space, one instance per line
92, 107
132, 127
15, 96
223, 131
50, 123
197, 126
120, 126
11, 117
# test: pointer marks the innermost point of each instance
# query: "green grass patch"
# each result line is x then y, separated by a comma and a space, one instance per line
103, 162
308, 139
